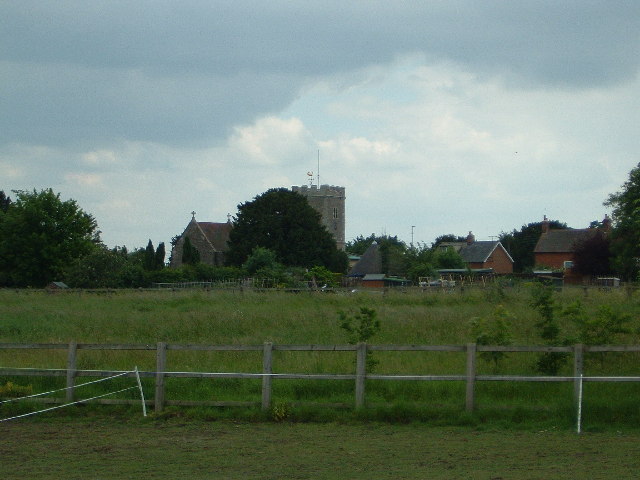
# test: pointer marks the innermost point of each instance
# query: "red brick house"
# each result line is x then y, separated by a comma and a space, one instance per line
208, 237
482, 254
555, 248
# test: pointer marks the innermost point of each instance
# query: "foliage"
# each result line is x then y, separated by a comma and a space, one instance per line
592, 255
261, 259
625, 243
11, 390
520, 244
321, 276
494, 330
149, 257
549, 363
449, 238
159, 257
603, 328
448, 258
5, 202
360, 244
283, 222
40, 235
361, 327
101, 268
190, 254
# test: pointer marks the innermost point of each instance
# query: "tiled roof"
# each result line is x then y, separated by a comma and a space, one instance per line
217, 234
479, 252
562, 241
370, 262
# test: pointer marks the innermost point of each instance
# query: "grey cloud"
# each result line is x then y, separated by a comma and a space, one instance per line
184, 72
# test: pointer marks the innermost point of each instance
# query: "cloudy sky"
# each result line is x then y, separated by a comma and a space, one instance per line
449, 116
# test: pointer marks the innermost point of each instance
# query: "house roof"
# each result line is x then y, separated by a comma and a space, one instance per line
562, 241
374, 276
370, 262
216, 233
478, 252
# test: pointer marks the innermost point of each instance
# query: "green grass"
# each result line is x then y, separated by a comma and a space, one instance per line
223, 317
179, 449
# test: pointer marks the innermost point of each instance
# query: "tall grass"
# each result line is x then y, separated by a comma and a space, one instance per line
251, 318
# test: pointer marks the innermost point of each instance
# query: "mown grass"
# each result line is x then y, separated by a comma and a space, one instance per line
182, 449
250, 318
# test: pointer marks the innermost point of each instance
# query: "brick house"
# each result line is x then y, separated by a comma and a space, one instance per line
555, 248
208, 237
482, 254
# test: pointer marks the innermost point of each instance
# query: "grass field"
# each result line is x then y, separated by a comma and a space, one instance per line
100, 449
248, 318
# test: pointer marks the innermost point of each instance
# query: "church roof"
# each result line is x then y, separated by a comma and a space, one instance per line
216, 233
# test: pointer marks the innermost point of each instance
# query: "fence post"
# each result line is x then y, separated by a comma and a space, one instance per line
71, 370
161, 364
578, 368
267, 356
471, 376
361, 373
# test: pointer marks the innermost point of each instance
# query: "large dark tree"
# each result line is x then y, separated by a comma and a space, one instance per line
40, 235
283, 222
159, 257
625, 240
5, 202
149, 262
520, 244
592, 256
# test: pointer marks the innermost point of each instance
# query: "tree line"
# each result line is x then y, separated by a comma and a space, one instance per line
277, 234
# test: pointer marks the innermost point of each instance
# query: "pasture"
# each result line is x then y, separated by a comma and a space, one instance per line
179, 449
252, 318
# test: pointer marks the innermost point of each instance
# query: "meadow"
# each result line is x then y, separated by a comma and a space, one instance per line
406, 317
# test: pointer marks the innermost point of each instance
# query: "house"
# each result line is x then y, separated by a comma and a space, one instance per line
482, 255
368, 270
555, 248
369, 263
210, 239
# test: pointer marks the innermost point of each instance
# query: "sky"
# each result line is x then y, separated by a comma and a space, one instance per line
437, 117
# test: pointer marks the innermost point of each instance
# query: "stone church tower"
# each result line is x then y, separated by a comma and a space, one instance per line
329, 201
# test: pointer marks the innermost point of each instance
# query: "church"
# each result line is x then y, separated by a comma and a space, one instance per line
210, 238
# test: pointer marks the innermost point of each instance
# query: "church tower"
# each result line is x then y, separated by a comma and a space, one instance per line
329, 201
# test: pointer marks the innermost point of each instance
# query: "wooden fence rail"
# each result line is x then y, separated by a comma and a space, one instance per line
470, 377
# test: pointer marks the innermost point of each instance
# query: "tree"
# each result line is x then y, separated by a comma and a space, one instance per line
360, 244
149, 257
283, 222
5, 202
449, 237
40, 235
520, 244
592, 255
625, 238
159, 257
190, 254
101, 268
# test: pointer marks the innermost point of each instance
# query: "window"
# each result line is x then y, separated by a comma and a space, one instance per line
335, 212
568, 264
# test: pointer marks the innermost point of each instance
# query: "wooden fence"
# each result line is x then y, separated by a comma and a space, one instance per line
471, 350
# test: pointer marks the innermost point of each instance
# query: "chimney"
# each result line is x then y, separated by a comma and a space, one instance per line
470, 238
545, 225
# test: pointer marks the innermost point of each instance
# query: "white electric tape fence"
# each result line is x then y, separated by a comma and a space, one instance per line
137, 386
